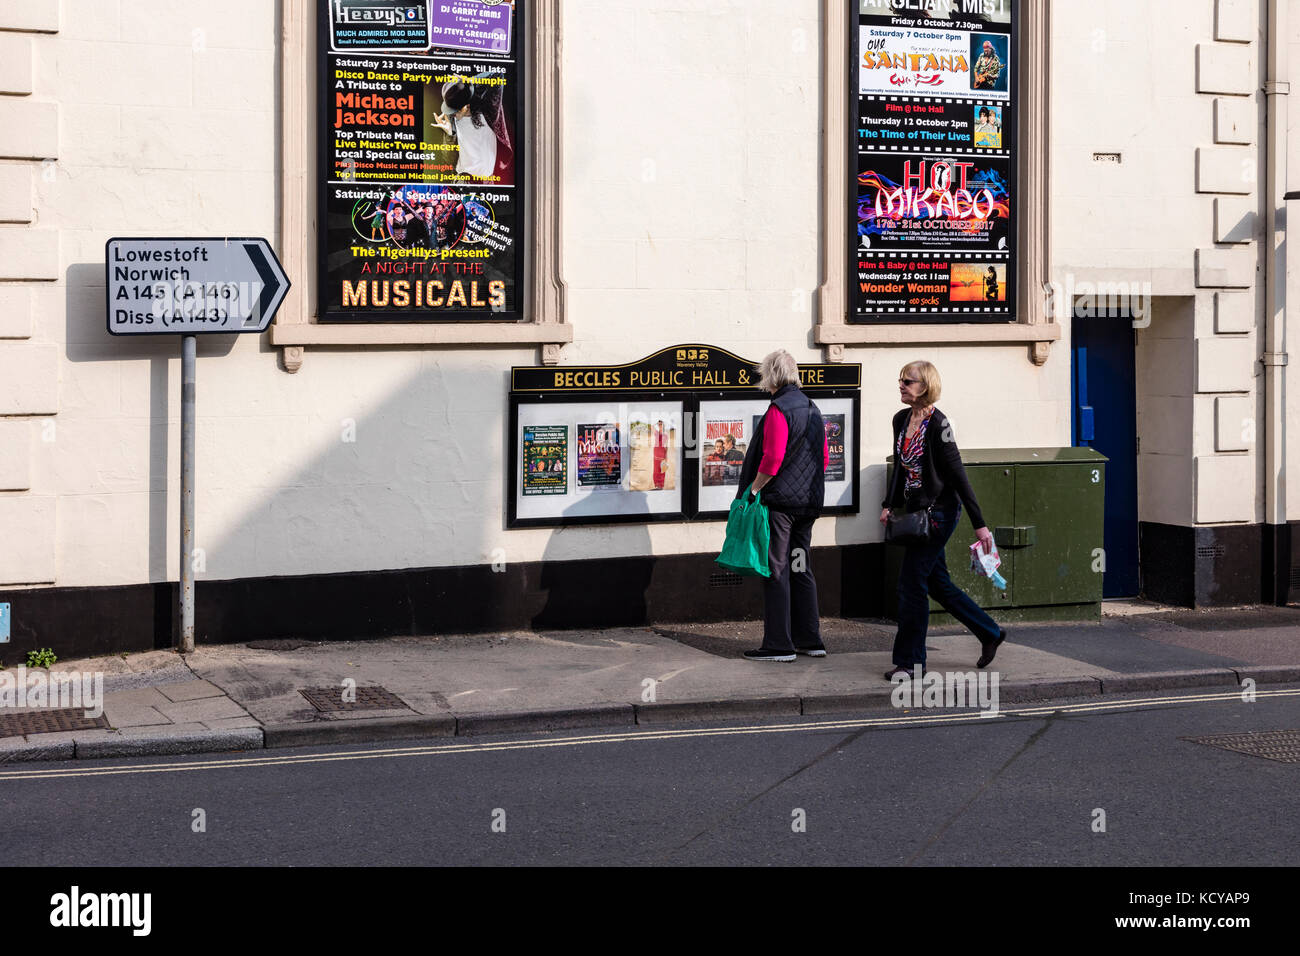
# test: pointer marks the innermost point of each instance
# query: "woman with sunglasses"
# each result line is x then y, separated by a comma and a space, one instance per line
928, 473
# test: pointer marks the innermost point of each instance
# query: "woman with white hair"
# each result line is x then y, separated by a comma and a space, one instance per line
786, 464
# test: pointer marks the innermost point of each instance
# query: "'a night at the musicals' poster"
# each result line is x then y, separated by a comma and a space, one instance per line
933, 201
421, 192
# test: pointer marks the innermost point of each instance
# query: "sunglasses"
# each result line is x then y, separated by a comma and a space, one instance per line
908, 381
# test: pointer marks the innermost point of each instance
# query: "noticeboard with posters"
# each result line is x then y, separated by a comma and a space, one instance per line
582, 460
727, 427
933, 203
660, 439
421, 165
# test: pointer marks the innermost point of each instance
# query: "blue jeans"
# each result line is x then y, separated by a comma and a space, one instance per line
924, 574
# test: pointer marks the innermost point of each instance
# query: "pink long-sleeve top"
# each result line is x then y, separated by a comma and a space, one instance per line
776, 434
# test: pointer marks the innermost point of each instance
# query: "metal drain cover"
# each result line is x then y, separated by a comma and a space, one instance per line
1280, 745
49, 721
368, 698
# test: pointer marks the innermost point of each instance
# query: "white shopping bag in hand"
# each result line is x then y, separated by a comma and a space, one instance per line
986, 564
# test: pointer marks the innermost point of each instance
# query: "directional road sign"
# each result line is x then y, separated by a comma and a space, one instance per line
192, 286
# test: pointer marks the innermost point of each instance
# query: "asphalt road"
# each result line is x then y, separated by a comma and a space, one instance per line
894, 789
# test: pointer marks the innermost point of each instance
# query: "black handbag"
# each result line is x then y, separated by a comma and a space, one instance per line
910, 528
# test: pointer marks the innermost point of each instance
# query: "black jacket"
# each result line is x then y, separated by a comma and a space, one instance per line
943, 477
800, 485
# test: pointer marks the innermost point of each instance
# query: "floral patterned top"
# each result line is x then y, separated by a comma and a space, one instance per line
910, 451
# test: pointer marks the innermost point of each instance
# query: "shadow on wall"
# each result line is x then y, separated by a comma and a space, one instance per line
87, 318
310, 492
595, 593
403, 484
329, 487
862, 567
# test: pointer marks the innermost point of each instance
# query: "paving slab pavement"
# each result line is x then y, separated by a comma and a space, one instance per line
249, 696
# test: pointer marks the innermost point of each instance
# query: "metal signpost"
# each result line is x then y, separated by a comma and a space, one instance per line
191, 287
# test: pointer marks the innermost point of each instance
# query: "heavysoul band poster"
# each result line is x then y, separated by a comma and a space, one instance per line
933, 201
421, 160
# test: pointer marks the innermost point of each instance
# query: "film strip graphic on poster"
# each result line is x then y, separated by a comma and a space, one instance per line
421, 160
933, 202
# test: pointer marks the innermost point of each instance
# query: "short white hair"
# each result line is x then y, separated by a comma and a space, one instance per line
776, 370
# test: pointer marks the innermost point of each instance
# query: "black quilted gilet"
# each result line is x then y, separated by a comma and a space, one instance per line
799, 487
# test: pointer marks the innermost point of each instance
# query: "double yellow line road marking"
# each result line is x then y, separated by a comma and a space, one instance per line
906, 719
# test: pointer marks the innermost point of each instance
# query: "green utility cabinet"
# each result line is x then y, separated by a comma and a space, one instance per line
1046, 508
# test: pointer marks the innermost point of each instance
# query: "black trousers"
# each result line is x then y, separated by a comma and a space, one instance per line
790, 616
924, 575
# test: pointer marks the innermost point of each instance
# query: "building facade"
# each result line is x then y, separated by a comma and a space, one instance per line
683, 174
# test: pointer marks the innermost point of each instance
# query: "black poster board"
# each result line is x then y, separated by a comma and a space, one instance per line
658, 439
422, 166
933, 203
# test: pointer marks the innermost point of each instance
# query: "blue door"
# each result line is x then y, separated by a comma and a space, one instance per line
1104, 380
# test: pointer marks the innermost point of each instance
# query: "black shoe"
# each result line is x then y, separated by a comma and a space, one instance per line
780, 657
909, 672
991, 649
811, 651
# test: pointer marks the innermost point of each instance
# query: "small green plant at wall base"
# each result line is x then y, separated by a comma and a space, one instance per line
42, 658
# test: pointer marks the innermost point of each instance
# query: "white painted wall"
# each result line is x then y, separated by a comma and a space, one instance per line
691, 198
1175, 88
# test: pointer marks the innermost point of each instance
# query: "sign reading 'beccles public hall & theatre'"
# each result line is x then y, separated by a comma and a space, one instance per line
933, 204
421, 191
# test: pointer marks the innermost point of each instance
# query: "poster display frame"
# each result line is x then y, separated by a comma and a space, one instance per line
715, 411
573, 501
522, 200
884, 257
852, 462
690, 443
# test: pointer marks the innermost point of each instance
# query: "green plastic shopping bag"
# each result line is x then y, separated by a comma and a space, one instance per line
748, 538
